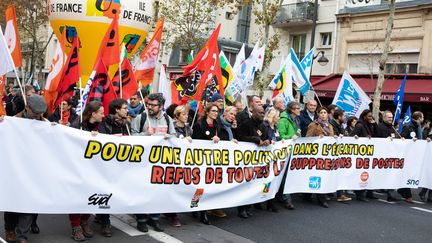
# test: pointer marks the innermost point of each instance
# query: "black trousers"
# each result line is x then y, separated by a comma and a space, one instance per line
11, 220
405, 192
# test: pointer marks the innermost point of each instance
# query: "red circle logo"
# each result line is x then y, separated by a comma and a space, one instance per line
364, 176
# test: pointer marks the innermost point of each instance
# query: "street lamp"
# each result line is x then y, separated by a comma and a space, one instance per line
322, 60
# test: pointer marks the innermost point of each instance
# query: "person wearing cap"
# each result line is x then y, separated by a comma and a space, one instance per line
18, 224
219, 102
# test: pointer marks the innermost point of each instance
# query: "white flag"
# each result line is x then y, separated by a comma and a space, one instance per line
164, 86
239, 59
6, 62
350, 97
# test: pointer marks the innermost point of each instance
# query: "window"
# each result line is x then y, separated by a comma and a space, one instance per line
326, 39
184, 55
229, 15
401, 68
231, 56
244, 24
299, 45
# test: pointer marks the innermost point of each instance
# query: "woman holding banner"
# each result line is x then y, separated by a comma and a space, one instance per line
92, 116
207, 129
319, 128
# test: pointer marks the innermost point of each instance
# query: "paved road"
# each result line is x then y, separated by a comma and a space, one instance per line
375, 221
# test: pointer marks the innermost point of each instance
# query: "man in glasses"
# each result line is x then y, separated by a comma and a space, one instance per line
154, 122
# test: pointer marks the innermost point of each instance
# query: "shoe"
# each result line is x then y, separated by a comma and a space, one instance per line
242, 214
204, 218
106, 231
10, 235
422, 197
175, 222
409, 200
218, 213
34, 228
343, 198
289, 206
156, 225
249, 212
272, 208
141, 226
429, 200
87, 231
324, 204
392, 199
77, 234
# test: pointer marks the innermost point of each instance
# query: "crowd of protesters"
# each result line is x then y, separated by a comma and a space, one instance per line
144, 115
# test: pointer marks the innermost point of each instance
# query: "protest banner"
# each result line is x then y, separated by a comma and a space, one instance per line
58, 169
324, 165
65, 170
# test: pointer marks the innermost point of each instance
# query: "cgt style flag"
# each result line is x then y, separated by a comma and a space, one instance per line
207, 61
350, 97
399, 99
11, 35
55, 74
128, 80
6, 62
306, 63
110, 46
282, 82
71, 74
101, 88
299, 76
405, 120
144, 70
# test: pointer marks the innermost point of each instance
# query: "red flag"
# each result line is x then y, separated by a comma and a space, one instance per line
11, 35
2, 86
148, 59
101, 89
71, 74
55, 74
109, 50
207, 61
129, 83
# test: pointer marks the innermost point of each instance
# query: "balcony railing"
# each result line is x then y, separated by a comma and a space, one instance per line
296, 14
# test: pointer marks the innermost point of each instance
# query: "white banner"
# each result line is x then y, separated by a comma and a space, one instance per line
57, 169
324, 165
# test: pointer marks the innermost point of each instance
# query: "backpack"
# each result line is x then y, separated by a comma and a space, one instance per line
144, 118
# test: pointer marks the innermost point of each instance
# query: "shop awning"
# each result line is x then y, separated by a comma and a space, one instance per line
418, 87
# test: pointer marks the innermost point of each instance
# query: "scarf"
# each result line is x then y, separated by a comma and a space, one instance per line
227, 127
325, 125
133, 112
64, 117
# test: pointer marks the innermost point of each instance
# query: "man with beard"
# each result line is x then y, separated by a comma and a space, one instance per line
154, 122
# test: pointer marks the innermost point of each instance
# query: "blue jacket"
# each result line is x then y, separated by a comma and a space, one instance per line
305, 120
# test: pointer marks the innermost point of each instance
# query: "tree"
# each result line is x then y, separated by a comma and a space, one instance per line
383, 61
265, 12
190, 22
32, 19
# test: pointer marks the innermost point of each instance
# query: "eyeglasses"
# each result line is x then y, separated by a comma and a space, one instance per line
152, 105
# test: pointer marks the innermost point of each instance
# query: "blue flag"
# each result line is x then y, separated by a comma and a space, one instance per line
299, 76
399, 99
406, 119
350, 97
306, 63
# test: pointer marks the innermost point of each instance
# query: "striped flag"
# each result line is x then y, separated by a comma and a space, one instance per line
299, 76
282, 82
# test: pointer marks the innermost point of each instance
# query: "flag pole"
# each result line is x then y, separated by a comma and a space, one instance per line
81, 98
120, 72
196, 112
145, 107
